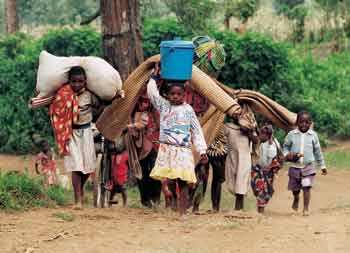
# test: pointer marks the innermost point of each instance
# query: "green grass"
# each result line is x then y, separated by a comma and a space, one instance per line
64, 216
20, 191
338, 160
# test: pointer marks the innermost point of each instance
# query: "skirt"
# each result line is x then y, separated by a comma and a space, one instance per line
82, 155
262, 185
174, 162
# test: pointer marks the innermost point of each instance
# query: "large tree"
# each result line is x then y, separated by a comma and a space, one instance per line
11, 16
121, 40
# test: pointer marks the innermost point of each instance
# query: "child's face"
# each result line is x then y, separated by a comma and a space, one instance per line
304, 122
176, 95
46, 147
264, 136
77, 82
143, 105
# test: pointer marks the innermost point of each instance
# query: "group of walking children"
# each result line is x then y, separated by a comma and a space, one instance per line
166, 147
301, 149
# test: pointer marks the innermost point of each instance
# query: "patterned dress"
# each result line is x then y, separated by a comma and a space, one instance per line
262, 174
179, 128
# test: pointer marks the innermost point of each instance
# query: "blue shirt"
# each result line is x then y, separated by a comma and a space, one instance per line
307, 144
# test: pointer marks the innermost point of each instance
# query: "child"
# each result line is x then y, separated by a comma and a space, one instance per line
120, 173
71, 116
179, 128
241, 136
217, 152
145, 133
302, 148
262, 173
46, 160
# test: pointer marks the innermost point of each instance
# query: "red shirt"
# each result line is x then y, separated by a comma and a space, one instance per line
120, 167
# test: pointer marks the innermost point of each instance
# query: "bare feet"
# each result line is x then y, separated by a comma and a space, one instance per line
295, 205
306, 213
78, 206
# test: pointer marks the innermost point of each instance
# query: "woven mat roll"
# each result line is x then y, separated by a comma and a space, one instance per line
116, 116
224, 99
278, 114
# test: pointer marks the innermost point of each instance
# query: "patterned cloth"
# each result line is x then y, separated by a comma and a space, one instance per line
63, 113
174, 162
262, 185
179, 125
179, 128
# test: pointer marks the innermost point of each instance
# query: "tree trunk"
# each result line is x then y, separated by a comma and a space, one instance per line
11, 16
121, 40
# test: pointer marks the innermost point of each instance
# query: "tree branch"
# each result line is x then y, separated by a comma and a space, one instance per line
88, 20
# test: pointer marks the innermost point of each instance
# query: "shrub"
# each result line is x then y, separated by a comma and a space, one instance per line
18, 67
19, 191
156, 30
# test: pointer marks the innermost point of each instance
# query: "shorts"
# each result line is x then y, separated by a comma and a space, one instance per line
301, 177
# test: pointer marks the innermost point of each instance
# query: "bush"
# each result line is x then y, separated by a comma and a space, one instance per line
255, 62
19, 191
18, 67
155, 31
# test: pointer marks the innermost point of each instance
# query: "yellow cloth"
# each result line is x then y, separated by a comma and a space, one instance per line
174, 162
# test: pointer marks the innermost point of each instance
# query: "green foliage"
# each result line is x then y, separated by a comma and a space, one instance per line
156, 30
18, 66
241, 9
193, 14
55, 12
64, 216
254, 62
67, 42
19, 191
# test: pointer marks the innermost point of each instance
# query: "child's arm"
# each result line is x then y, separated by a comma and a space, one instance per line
319, 155
197, 135
156, 99
287, 148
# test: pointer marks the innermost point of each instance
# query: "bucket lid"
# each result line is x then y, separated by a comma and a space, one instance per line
177, 43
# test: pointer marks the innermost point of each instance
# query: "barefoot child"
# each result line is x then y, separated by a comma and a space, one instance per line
45, 160
179, 129
71, 116
302, 148
120, 173
263, 172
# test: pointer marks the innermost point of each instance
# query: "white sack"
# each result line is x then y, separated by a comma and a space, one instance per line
102, 78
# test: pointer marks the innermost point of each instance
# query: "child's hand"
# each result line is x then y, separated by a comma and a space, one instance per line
324, 171
204, 159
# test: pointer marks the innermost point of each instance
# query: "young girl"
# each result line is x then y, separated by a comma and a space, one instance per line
46, 161
144, 132
71, 116
262, 173
179, 127
302, 148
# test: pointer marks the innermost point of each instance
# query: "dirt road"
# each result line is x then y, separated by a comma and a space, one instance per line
134, 229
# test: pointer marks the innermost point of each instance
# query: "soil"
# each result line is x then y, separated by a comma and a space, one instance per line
135, 229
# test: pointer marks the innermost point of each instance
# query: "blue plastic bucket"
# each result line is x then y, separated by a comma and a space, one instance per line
176, 59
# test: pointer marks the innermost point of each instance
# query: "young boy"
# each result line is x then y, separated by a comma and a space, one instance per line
302, 148
71, 115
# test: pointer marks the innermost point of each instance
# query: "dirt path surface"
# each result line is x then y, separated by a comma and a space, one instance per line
118, 229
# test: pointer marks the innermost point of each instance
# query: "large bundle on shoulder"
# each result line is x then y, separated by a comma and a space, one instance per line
102, 79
